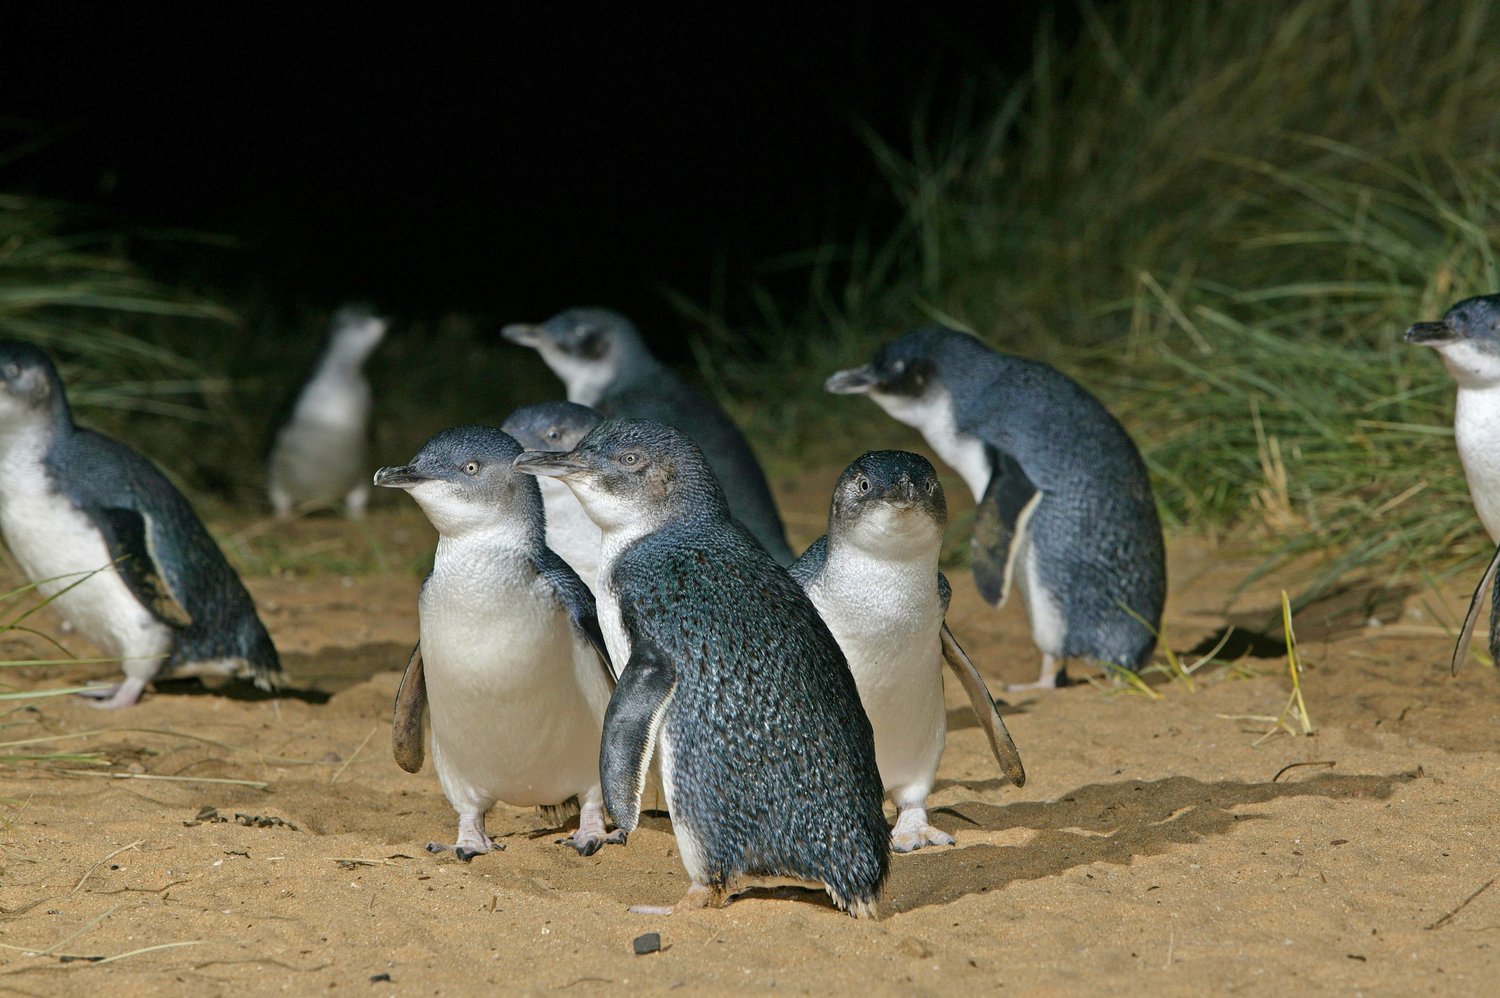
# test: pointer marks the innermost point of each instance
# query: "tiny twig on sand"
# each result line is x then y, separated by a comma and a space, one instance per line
257, 784
1462, 905
340, 772
90, 871
1293, 765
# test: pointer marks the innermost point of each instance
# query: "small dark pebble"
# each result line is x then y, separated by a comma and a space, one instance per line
114, 866
79, 959
380, 977
648, 943
1338, 842
1356, 956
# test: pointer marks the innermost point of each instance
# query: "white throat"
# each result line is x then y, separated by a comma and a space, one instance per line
932, 415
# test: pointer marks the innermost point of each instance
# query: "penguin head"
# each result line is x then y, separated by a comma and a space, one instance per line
31, 393
1467, 338
554, 426
586, 347
889, 503
632, 475
904, 379
355, 332
463, 480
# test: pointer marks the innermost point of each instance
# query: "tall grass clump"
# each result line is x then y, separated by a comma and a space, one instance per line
69, 289
1220, 217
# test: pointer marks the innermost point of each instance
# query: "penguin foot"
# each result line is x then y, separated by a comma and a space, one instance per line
912, 831
590, 837
472, 841
927, 835
466, 852
1054, 677
114, 697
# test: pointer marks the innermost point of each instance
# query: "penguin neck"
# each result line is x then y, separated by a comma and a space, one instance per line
494, 549
933, 416
24, 451
1476, 426
906, 541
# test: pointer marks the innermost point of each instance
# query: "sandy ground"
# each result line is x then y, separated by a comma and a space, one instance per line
1159, 846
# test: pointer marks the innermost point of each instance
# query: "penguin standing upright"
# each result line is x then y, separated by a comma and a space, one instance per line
115, 546
510, 661
1064, 501
875, 581
1467, 338
767, 761
602, 360
319, 453
558, 426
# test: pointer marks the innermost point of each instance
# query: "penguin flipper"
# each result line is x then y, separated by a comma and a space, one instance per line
579, 600
631, 725
999, 525
127, 535
984, 709
406, 719
1471, 619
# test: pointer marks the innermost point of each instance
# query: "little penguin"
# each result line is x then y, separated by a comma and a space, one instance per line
1467, 338
510, 661
767, 760
875, 581
558, 426
114, 546
1064, 504
601, 358
318, 455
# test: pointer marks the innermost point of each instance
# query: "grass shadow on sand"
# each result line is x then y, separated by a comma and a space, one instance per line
1097, 823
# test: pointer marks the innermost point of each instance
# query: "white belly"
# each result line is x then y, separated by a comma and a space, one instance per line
56, 546
1476, 429
318, 461
570, 532
888, 623
1048, 629
517, 701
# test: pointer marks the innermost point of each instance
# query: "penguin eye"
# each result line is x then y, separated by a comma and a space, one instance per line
553, 434
630, 459
899, 367
862, 483
931, 487
12, 370
471, 468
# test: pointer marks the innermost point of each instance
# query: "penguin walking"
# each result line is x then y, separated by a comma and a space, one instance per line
601, 358
875, 581
767, 760
510, 661
319, 453
1467, 338
115, 547
1064, 505
558, 426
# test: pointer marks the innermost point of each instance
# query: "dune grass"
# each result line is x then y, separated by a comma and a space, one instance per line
1218, 217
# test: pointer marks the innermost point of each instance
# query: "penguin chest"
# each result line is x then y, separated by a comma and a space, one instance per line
887, 620
1476, 429
56, 546
517, 700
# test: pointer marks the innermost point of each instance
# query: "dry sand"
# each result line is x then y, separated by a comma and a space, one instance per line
1159, 846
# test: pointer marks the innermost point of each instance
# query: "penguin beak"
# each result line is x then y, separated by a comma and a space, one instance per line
547, 464
1431, 334
400, 478
902, 494
854, 381
522, 333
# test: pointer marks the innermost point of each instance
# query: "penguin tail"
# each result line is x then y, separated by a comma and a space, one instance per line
557, 815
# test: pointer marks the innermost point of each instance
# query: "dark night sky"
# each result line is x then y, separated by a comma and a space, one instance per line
514, 164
